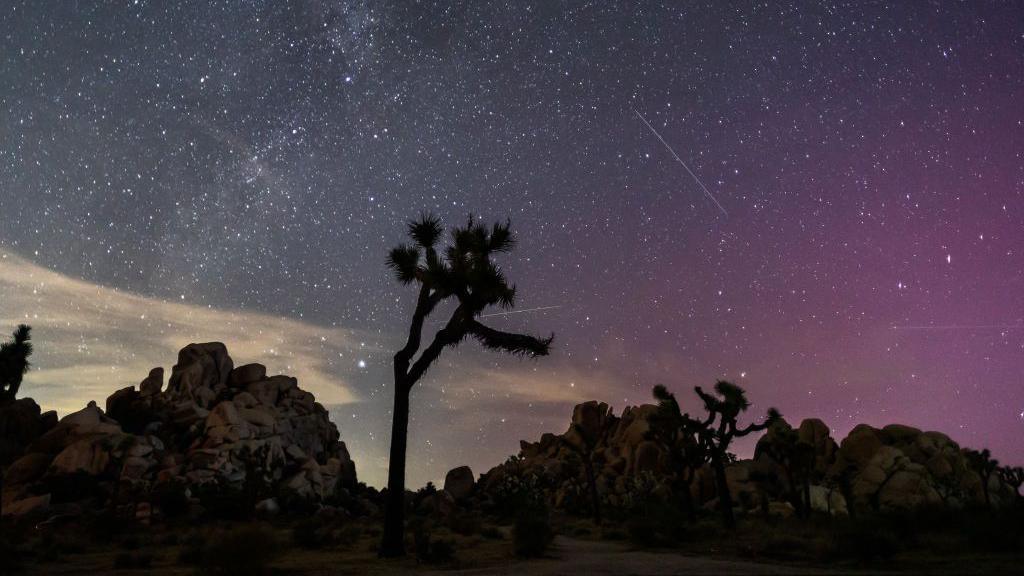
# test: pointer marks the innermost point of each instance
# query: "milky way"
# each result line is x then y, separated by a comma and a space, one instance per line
259, 158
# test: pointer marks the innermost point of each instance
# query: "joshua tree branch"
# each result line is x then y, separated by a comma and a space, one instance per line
518, 344
451, 334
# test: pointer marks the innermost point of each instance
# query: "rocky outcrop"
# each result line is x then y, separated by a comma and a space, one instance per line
215, 432
21, 423
871, 470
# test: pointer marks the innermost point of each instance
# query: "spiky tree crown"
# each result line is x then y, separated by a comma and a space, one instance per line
14, 359
464, 269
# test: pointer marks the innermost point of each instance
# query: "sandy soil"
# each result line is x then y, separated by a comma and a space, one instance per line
568, 556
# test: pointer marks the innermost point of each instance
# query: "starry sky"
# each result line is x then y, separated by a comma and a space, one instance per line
849, 245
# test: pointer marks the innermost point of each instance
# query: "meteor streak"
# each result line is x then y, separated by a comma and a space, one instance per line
962, 327
519, 311
510, 312
680, 160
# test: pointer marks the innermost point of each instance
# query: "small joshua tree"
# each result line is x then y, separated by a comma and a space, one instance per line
678, 433
13, 366
584, 450
465, 273
985, 466
718, 430
14, 362
797, 460
1014, 476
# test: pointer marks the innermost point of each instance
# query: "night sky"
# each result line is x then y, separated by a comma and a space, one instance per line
188, 171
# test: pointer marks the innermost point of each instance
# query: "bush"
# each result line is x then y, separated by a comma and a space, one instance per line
129, 560
431, 551
311, 534
245, 551
171, 499
192, 550
491, 533
532, 533
11, 554
642, 532
466, 523
865, 542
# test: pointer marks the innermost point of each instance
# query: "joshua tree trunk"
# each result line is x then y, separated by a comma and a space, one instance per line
724, 498
464, 272
683, 489
393, 543
807, 498
595, 498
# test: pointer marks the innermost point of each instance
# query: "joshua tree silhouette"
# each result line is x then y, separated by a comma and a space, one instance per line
1014, 476
585, 452
463, 271
983, 463
719, 429
14, 362
671, 428
13, 366
797, 460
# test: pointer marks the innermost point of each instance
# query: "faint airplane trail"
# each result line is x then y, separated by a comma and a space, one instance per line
519, 311
509, 312
962, 327
680, 160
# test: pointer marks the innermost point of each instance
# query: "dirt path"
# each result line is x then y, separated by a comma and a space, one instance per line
590, 558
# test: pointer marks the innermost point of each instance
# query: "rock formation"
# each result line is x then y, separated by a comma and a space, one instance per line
871, 470
216, 432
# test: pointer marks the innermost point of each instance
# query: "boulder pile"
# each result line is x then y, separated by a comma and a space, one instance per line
215, 433
872, 470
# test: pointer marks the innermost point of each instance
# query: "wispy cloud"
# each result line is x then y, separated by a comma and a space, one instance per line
91, 339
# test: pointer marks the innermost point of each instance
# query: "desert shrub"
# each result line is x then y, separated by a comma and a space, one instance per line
132, 560
221, 502
613, 534
491, 533
441, 552
53, 546
129, 543
311, 534
350, 534
786, 547
581, 530
244, 551
532, 533
518, 489
11, 553
466, 523
996, 531
642, 532
192, 549
171, 499
649, 520
865, 542
430, 550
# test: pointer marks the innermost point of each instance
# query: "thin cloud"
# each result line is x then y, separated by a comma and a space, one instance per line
91, 340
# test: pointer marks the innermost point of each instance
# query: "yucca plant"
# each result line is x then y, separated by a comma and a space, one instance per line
463, 272
13, 366
719, 429
14, 362
671, 428
985, 466
1014, 477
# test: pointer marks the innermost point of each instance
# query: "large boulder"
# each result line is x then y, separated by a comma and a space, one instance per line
201, 371
459, 482
21, 423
